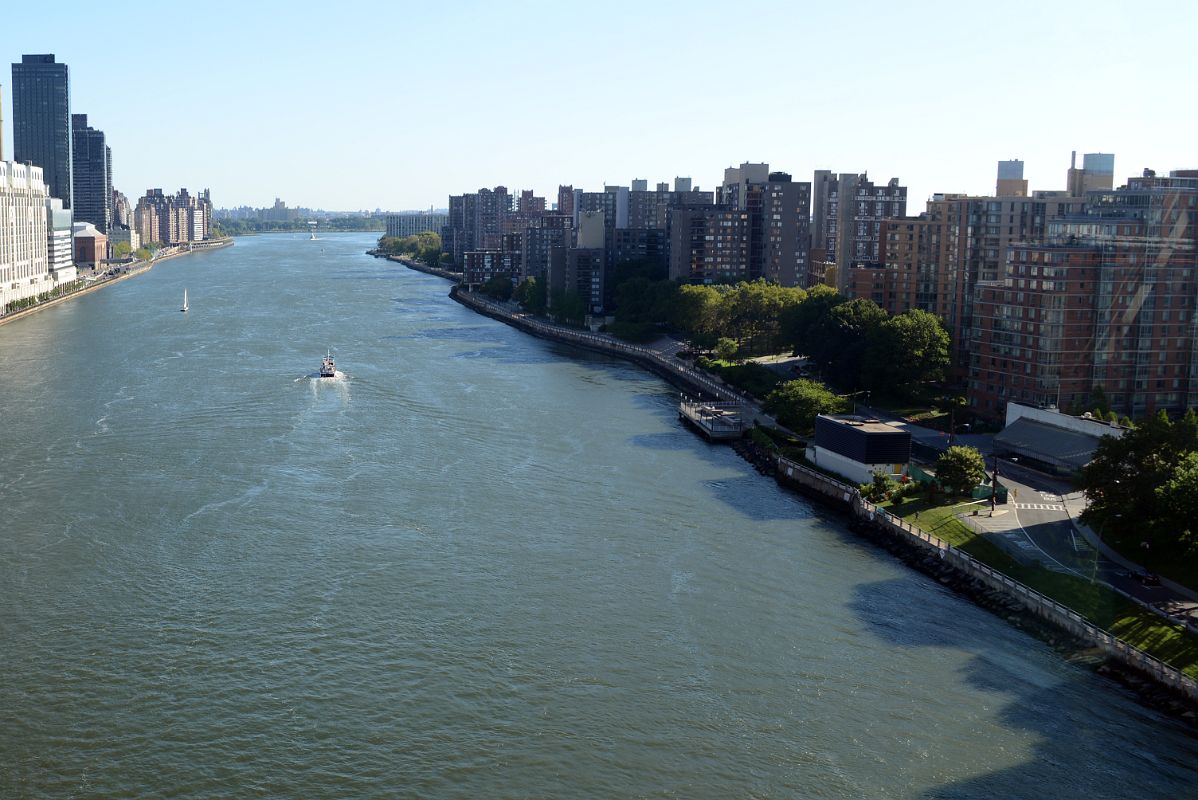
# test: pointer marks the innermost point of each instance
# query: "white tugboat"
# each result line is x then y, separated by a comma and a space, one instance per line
328, 369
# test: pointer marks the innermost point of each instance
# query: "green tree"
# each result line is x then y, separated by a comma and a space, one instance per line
751, 312
1177, 504
498, 287
796, 404
1137, 485
959, 469
532, 295
904, 352
695, 311
143, 254
567, 307
725, 349
806, 327
121, 249
852, 326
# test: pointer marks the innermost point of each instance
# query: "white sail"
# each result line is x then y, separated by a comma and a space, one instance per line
184, 301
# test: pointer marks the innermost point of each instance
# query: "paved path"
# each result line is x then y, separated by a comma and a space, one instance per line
1039, 525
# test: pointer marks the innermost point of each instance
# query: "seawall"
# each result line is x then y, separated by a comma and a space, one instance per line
1157, 683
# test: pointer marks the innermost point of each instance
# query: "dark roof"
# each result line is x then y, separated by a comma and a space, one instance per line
1047, 443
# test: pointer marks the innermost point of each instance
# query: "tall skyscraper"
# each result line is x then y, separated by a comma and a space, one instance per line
93, 186
41, 120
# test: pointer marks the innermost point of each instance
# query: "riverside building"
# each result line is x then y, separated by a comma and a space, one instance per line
41, 121
91, 167
1107, 299
24, 264
402, 225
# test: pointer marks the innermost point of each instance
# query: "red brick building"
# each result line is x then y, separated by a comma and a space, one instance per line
1108, 300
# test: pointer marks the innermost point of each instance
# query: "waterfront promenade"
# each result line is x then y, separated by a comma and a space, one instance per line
125, 272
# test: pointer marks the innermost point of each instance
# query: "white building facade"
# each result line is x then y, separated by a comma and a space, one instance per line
24, 263
60, 256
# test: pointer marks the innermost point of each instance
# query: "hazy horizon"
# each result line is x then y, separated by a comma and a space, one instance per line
396, 107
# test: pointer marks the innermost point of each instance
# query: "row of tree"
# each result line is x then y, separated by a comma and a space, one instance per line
856, 344
239, 227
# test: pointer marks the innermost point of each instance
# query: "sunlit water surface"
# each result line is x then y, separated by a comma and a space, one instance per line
476, 565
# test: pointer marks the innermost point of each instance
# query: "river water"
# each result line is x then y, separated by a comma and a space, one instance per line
479, 565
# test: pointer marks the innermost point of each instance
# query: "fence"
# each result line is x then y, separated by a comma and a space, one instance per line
1043, 606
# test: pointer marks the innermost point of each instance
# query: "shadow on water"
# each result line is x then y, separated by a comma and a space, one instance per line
1091, 735
744, 495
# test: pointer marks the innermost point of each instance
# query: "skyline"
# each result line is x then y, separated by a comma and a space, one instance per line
320, 112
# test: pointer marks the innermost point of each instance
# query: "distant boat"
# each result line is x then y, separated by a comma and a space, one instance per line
328, 369
184, 301
312, 238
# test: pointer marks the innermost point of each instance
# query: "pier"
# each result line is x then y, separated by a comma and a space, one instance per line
718, 421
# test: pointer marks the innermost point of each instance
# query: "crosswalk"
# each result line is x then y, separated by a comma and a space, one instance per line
1039, 507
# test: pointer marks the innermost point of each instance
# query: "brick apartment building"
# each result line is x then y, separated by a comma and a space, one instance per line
1106, 300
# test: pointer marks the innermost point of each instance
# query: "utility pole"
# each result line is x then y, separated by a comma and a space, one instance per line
994, 487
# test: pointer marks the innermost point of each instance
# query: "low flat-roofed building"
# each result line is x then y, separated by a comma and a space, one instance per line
857, 447
1047, 439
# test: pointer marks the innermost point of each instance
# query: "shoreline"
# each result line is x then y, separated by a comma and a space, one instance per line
1155, 684
95, 286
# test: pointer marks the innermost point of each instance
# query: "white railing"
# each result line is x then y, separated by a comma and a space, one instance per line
1045, 606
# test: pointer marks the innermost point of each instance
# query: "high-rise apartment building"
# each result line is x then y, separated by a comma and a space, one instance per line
565, 200
402, 225
475, 222
733, 191
528, 203
1097, 174
710, 245
1107, 299
173, 219
779, 219
1010, 181
848, 210
90, 166
24, 265
41, 120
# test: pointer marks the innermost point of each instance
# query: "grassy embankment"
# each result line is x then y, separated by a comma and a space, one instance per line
1105, 608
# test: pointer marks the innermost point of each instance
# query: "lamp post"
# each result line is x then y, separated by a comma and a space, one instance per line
994, 482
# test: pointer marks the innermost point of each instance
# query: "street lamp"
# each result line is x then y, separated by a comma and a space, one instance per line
994, 482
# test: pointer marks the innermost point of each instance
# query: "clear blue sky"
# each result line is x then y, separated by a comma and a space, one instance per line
349, 105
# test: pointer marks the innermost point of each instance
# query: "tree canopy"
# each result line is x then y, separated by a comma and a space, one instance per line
959, 469
1143, 487
796, 404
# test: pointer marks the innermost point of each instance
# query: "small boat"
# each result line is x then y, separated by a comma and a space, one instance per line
184, 301
328, 369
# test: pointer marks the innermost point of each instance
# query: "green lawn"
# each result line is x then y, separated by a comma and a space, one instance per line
1100, 605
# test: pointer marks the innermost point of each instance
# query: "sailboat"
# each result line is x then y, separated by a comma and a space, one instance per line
184, 301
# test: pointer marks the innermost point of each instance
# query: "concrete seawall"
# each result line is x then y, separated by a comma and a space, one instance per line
676, 374
986, 585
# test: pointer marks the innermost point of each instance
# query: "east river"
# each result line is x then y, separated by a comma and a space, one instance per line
479, 565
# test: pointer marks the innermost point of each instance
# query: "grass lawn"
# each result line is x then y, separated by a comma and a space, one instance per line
1099, 604
753, 378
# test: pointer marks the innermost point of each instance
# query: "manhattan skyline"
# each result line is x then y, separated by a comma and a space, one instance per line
397, 108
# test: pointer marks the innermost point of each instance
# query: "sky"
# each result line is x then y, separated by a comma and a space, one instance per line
362, 105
